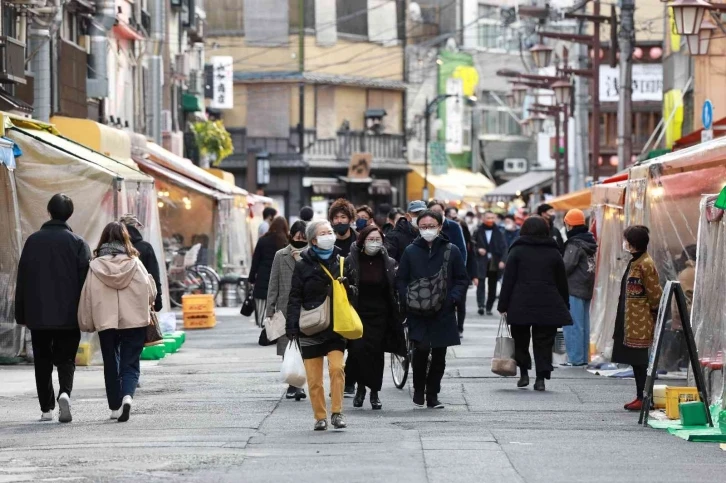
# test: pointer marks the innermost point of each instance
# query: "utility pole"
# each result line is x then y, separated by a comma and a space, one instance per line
301, 67
595, 150
625, 101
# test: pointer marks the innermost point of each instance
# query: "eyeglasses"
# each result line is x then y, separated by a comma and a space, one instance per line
428, 227
374, 240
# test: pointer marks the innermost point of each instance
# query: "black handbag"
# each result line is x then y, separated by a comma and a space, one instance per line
248, 306
263, 340
427, 295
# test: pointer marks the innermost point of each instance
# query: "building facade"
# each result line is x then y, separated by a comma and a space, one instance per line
322, 111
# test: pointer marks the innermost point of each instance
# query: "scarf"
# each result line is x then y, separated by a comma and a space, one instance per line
322, 254
111, 248
577, 230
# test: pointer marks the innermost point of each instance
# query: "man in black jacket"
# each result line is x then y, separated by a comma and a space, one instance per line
491, 252
405, 231
547, 212
146, 254
51, 273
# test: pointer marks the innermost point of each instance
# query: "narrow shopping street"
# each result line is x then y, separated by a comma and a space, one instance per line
213, 412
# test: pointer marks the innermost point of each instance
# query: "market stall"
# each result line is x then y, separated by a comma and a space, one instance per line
459, 185
608, 224
708, 313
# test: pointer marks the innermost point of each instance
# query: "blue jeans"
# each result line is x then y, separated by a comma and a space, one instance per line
121, 351
577, 335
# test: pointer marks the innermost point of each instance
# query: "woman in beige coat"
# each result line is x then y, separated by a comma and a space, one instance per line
115, 302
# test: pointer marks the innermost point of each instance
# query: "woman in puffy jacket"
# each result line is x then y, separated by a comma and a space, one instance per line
115, 302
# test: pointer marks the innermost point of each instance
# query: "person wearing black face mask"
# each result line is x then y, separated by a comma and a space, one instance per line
278, 290
364, 217
547, 212
340, 215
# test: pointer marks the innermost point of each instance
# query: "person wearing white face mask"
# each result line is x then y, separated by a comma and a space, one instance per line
311, 287
431, 281
373, 274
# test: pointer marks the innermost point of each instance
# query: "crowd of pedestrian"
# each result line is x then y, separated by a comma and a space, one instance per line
411, 269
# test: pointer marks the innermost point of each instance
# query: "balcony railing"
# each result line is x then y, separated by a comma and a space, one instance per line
12, 60
381, 146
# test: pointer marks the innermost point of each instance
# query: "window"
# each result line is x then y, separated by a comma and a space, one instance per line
9, 25
71, 27
466, 129
492, 35
497, 119
352, 17
309, 14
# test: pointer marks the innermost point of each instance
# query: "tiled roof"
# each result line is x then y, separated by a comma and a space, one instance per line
317, 78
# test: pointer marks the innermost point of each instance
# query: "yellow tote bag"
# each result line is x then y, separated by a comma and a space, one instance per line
346, 320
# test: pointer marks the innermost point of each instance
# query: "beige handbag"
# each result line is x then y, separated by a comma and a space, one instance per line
315, 320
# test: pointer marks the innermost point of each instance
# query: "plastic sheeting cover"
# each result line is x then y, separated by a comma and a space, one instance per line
10, 241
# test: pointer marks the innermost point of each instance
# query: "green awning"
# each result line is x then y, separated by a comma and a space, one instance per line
192, 103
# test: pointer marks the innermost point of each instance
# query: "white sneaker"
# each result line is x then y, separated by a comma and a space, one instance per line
64, 403
125, 409
115, 414
47, 416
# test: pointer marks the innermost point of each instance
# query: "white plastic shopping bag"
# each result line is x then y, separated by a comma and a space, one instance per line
293, 368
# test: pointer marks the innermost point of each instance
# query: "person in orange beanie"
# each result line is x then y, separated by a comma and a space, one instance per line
579, 258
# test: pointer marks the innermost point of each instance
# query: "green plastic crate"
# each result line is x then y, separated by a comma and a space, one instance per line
693, 413
153, 352
171, 344
181, 335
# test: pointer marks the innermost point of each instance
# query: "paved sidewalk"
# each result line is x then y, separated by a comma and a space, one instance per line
214, 412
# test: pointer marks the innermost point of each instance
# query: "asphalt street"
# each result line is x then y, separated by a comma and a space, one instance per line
215, 412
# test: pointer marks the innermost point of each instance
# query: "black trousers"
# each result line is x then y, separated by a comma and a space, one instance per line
461, 314
54, 348
365, 368
121, 350
429, 381
543, 341
487, 286
640, 373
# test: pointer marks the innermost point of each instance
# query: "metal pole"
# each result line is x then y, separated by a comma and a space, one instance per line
565, 167
425, 194
301, 67
596, 95
558, 188
625, 102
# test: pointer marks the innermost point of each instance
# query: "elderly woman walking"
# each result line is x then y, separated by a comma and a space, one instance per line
311, 289
278, 289
431, 281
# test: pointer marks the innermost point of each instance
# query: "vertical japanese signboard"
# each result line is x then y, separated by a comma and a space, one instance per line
222, 82
454, 116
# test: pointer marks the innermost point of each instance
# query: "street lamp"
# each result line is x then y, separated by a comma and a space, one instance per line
519, 92
688, 15
563, 91
537, 123
698, 43
541, 55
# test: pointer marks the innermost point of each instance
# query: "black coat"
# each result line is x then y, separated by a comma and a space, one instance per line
496, 247
557, 237
310, 286
534, 289
419, 261
399, 239
262, 265
51, 274
148, 259
393, 339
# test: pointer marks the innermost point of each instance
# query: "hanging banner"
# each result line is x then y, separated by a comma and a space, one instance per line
647, 83
455, 116
222, 82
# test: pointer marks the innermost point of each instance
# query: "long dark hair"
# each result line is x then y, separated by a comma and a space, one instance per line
279, 231
116, 232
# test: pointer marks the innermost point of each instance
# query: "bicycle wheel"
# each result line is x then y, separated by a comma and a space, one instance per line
211, 277
399, 370
400, 365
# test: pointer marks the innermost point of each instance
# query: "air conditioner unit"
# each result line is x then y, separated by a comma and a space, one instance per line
166, 124
181, 65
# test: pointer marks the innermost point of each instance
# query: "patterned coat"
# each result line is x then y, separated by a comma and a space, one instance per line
278, 291
642, 298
